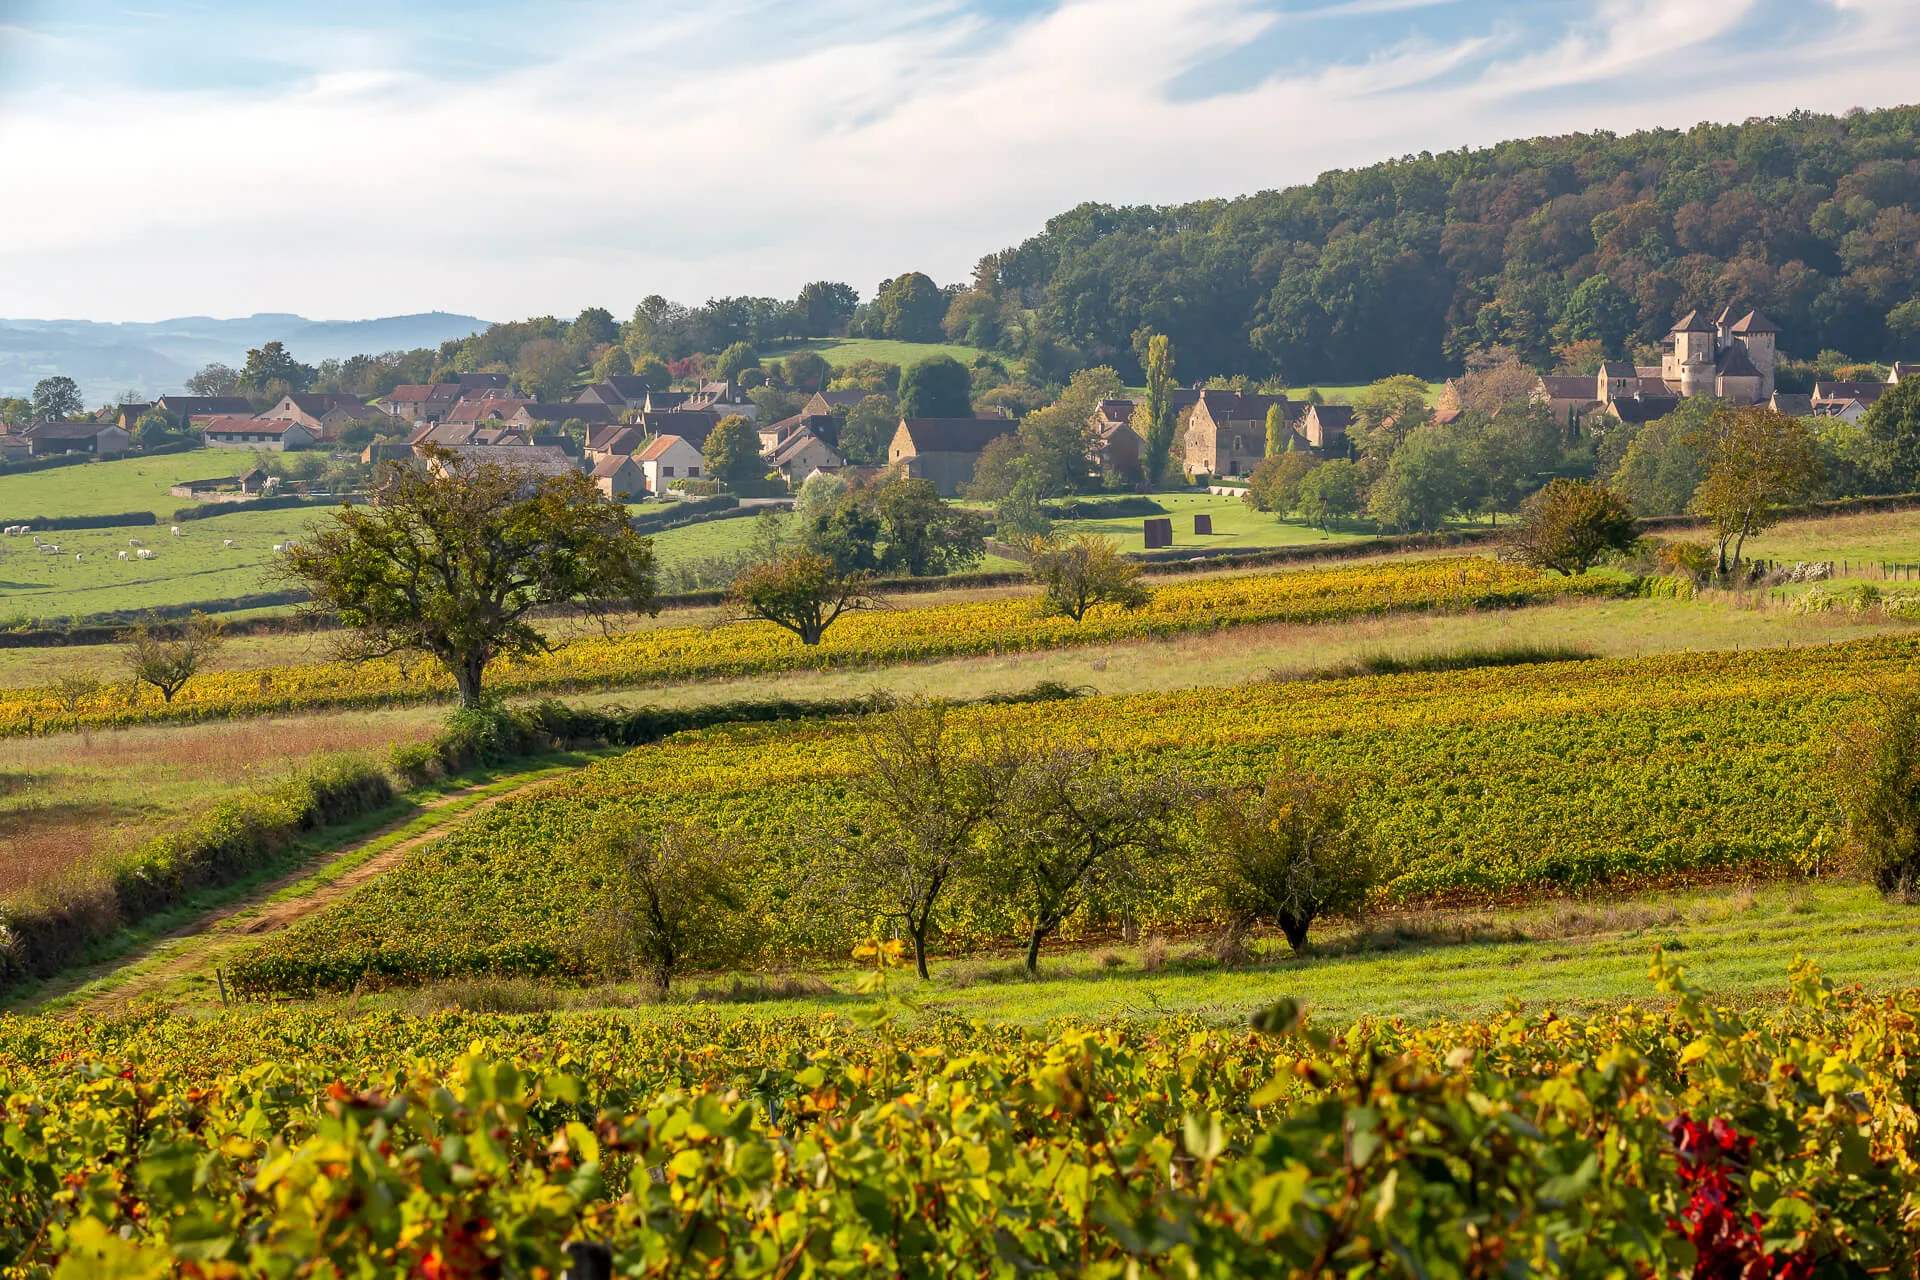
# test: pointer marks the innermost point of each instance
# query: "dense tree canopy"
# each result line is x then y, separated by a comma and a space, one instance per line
1537, 243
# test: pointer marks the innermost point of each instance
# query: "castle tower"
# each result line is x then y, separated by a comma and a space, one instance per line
1688, 361
1760, 337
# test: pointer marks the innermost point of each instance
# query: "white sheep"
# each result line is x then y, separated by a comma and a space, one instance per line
279, 546
133, 542
226, 542
79, 555
175, 530
145, 554
123, 555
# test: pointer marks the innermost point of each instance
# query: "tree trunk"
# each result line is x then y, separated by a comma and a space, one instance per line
1296, 930
1033, 950
469, 674
919, 933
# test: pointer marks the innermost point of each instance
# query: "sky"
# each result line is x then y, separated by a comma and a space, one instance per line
506, 158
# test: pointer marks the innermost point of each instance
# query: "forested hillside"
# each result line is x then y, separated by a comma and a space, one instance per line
1539, 244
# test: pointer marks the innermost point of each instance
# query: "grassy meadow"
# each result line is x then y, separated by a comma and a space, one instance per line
844, 351
69, 797
1573, 956
197, 566
124, 484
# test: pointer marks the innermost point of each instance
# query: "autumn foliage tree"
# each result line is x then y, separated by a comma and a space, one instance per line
454, 557
1075, 574
167, 662
1758, 460
802, 592
1569, 525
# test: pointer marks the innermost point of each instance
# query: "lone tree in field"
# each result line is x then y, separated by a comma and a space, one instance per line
802, 592
1290, 853
454, 556
676, 900
919, 805
1161, 419
1758, 459
1569, 525
1878, 772
1069, 826
167, 663
1078, 573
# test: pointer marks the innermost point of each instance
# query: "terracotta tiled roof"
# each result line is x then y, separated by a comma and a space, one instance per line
660, 445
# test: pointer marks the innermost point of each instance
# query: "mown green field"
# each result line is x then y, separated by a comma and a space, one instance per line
125, 484
844, 351
197, 566
1236, 526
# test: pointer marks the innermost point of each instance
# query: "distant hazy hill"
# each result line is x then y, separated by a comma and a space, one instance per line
159, 356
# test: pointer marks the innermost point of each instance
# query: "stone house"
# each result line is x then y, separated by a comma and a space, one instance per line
619, 477
1227, 431
420, 401
802, 454
666, 459
944, 450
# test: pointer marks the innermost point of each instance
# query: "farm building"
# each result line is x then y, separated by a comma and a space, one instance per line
945, 450
103, 439
266, 434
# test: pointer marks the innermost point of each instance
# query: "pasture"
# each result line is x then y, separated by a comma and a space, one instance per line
197, 566
844, 351
123, 484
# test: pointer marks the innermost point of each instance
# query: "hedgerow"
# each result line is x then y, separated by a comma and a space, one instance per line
1476, 784
668, 654
1692, 1140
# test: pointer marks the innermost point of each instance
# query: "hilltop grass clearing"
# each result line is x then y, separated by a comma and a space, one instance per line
840, 352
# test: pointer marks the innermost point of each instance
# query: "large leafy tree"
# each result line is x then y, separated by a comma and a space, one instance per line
907, 308
732, 454
937, 387
924, 536
455, 558
1892, 428
825, 307
56, 399
1569, 525
270, 365
1758, 460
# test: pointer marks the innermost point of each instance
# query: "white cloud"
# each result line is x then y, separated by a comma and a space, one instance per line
659, 156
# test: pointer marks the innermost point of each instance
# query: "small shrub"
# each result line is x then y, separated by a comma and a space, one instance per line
1814, 601
1904, 607
486, 995
1153, 954
677, 902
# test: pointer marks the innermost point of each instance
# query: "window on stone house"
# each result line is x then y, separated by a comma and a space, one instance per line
693, 471
666, 471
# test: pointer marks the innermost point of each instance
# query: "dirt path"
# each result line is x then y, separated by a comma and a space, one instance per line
215, 935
